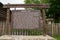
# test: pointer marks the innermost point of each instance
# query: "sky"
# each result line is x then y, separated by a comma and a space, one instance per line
12, 1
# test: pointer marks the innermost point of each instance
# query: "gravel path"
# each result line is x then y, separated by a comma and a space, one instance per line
21, 37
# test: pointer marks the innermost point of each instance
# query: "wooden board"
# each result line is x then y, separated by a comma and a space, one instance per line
25, 19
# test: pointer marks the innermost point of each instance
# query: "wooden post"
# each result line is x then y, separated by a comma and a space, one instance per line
44, 22
8, 21
52, 27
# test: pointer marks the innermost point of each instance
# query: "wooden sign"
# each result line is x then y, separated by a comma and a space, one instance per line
25, 19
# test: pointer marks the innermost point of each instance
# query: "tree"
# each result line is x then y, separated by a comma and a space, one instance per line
36, 1
54, 10
1, 5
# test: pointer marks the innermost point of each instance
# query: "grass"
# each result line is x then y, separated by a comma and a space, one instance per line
30, 32
57, 37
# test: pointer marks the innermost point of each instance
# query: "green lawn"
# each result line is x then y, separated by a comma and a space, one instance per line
57, 37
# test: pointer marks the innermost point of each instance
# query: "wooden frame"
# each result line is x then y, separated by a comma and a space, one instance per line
8, 6
25, 5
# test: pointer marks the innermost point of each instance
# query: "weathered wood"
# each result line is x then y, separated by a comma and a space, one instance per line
25, 19
44, 6
44, 21
8, 21
52, 28
25, 5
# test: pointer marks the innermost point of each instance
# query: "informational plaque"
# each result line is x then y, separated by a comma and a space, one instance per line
25, 19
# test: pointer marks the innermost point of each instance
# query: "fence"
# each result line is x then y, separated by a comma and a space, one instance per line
2, 27
53, 29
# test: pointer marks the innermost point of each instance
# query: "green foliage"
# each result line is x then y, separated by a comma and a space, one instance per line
44, 2
54, 10
57, 37
29, 31
32, 2
36, 1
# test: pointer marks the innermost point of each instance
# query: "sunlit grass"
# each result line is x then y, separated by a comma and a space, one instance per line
57, 37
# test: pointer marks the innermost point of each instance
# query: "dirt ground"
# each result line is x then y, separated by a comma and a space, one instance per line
21, 37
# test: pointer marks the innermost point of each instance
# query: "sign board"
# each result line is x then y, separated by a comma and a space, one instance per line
25, 19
